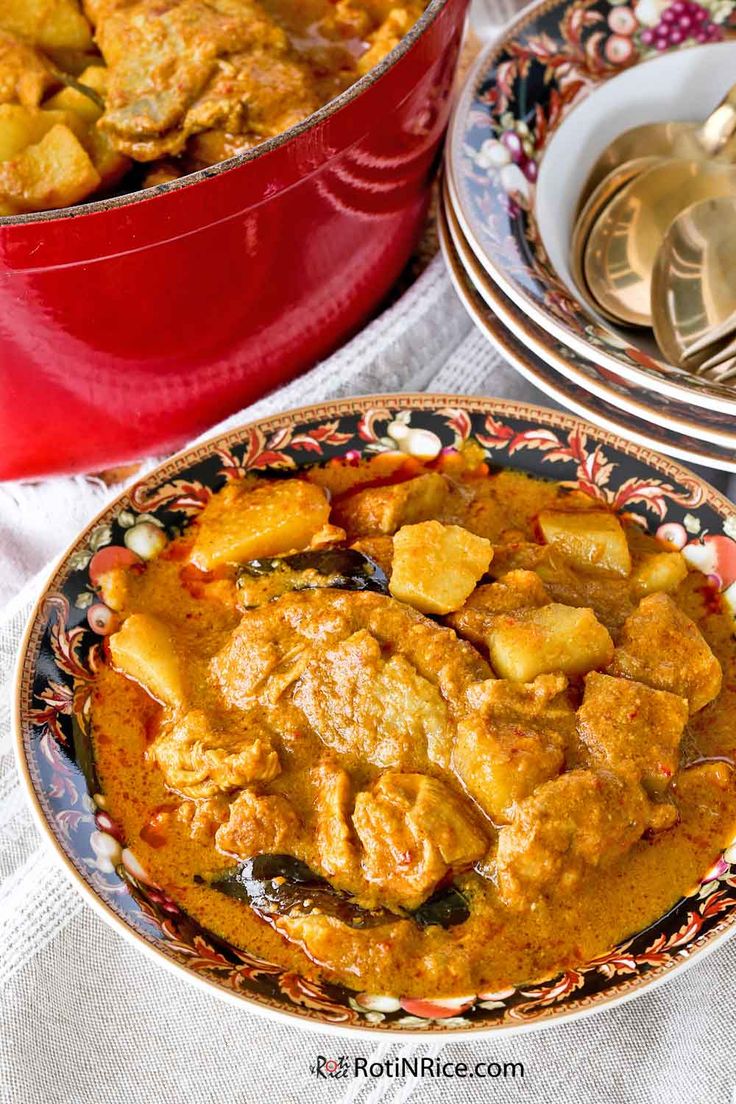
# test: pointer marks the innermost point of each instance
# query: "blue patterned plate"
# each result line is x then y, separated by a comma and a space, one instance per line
63, 649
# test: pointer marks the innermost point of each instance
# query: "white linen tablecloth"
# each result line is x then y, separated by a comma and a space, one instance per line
85, 1019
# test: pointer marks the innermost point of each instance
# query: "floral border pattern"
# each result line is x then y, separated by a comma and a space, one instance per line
63, 652
550, 60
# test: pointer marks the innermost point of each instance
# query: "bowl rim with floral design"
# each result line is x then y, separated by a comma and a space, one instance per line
128, 199
61, 650
643, 404
501, 226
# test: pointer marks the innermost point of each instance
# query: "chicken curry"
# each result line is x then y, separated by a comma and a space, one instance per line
120, 94
422, 729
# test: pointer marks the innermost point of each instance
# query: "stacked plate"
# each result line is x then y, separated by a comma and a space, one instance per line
539, 106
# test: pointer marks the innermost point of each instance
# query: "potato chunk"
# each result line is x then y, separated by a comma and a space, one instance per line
662, 647
515, 590
435, 567
576, 822
532, 642
110, 164
385, 509
414, 830
659, 571
21, 127
25, 74
250, 521
200, 759
56, 172
592, 540
624, 723
50, 24
513, 741
143, 650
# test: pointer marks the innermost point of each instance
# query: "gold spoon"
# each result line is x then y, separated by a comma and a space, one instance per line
622, 246
596, 203
719, 359
694, 285
680, 140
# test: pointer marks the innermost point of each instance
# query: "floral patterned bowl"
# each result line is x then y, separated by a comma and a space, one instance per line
63, 650
537, 109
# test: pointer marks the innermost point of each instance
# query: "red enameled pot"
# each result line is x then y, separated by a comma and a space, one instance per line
128, 325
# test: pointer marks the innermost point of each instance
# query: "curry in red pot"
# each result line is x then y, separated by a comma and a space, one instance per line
121, 94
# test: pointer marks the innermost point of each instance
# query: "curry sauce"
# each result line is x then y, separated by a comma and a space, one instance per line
523, 700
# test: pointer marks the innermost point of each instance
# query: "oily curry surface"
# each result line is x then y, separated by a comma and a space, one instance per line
424, 730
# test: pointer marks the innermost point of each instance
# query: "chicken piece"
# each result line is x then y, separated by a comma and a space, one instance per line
182, 67
380, 708
624, 723
609, 596
278, 94
513, 591
248, 521
203, 818
576, 822
25, 74
385, 509
532, 642
514, 740
269, 654
662, 647
333, 829
484, 513
415, 831
436, 566
144, 651
593, 540
199, 759
259, 825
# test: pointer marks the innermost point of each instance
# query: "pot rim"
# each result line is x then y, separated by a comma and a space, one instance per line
428, 16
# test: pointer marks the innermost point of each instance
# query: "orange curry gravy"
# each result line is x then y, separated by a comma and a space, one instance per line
551, 876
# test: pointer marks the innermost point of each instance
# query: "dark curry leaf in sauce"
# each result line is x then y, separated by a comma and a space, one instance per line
337, 568
285, 886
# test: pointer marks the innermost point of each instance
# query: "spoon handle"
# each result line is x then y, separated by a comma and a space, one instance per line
711, 336
720, 126
728, 352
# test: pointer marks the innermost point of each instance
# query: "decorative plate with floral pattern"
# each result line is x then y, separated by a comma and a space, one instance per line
692, 434
546, 64
64, 646
602, 400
